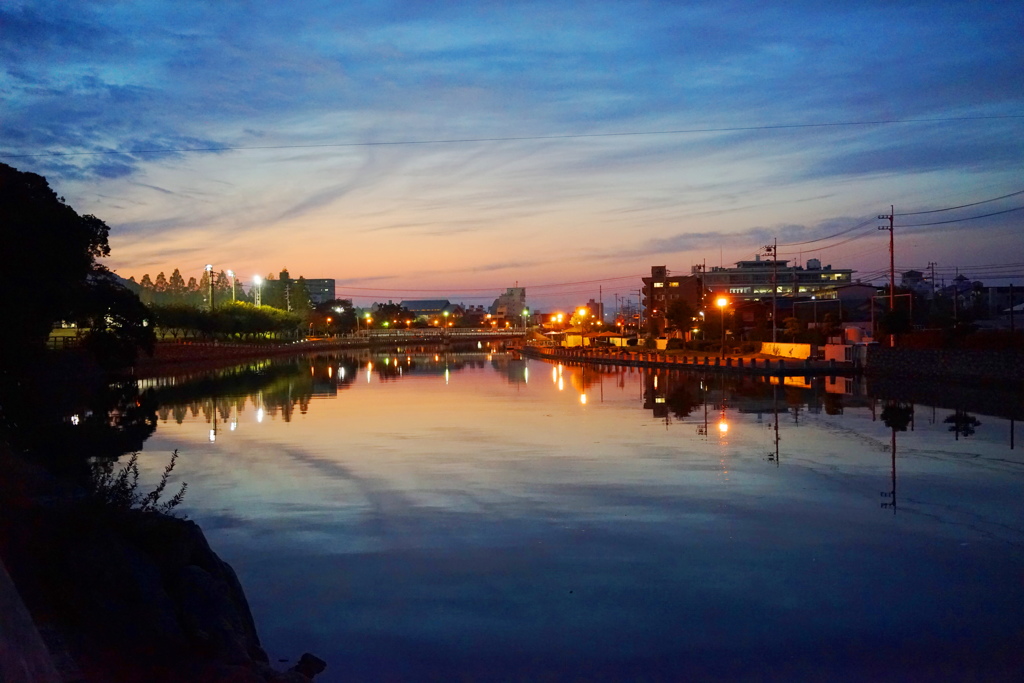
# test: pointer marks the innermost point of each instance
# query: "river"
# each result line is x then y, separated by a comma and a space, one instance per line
416, 515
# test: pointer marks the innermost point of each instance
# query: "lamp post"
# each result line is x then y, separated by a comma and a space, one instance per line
722, 302
257, 280
231, 274
209, 282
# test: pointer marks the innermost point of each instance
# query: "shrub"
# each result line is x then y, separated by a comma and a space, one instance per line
119, 492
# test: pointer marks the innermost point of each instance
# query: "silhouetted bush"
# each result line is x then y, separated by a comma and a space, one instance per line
119, 492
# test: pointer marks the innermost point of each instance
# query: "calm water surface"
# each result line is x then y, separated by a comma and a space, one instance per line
413, 517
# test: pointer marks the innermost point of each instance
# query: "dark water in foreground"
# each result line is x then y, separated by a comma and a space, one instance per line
476, 517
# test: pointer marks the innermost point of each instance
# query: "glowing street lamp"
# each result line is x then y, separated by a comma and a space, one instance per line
209, 281
722, 302
231, 274
257, 281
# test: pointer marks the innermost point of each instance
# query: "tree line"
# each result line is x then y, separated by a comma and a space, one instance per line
277, 291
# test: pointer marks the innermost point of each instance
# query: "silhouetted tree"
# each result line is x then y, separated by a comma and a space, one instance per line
680, 314
50, 265
897, 416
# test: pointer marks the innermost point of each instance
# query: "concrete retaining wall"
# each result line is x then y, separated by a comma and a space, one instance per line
786, 350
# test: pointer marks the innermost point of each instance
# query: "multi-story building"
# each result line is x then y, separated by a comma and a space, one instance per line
432, 310
511, 306
753, 279
321, 290
596, 309
661, 289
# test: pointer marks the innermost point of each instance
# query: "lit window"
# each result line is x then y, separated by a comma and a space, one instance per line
659, 284
673, 284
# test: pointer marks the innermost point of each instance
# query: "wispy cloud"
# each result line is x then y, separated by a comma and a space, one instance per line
160, 77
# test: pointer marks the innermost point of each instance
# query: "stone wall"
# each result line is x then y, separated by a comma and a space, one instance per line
997, 367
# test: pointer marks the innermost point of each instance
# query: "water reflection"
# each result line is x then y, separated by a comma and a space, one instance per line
426, 513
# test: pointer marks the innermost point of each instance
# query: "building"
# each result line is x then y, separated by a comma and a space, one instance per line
433, 311
596, 309
915, 281
475, 316
321, 290
511, 307
753, 279
661, 290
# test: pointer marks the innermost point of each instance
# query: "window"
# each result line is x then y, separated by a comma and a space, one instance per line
659, 284
673, 284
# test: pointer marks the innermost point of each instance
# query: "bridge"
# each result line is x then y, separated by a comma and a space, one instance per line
432, 335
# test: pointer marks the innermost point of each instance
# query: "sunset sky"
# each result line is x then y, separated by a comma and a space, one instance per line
416, 149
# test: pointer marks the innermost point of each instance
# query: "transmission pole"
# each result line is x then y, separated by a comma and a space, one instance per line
892, 258
931, 265
773, 251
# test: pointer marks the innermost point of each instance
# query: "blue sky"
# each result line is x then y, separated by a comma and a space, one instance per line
289, 112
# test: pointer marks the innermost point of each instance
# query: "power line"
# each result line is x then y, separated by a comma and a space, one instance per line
839, 244
962, 206
518, 138
961, 220
822, 239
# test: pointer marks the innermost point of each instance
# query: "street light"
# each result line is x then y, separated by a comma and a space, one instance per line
209, 281
722, 302
257, 281
231, 274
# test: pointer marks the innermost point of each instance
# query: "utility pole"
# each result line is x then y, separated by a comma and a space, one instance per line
1012, 330
773, 251
956, 296
892, 267
892, 258
931, 265
640, 311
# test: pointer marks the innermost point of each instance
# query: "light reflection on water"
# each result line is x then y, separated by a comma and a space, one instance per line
429, 516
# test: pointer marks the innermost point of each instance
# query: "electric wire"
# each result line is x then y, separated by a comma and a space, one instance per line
838, 234
960, 220
962, 206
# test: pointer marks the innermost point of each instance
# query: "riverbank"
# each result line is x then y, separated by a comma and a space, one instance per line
752, 363
194, 356
118, 595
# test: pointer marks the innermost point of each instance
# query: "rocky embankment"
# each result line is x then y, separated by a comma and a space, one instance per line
127, 596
